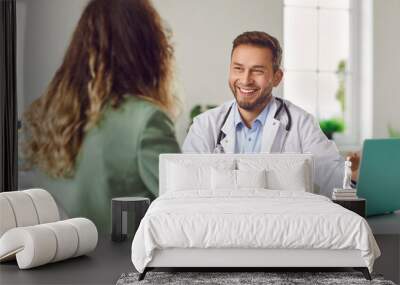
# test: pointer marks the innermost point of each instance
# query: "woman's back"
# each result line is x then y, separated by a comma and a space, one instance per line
118, 157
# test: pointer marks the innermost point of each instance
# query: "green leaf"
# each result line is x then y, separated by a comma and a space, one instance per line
208, 107
334, 125
393, 133
195, 111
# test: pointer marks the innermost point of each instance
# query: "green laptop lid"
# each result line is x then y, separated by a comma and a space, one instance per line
379, 176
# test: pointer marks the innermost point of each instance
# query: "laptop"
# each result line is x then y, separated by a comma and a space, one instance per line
379, 176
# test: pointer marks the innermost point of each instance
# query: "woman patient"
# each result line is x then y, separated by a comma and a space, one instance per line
97, 131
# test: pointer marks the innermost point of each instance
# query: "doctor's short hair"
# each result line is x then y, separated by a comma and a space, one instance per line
261, 39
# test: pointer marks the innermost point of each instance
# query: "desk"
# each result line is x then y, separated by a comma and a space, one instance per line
386, 230
102, 266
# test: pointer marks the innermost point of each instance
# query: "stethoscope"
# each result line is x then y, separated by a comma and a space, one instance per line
221, 135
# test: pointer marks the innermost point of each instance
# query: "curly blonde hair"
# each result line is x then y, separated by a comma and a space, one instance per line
118, 49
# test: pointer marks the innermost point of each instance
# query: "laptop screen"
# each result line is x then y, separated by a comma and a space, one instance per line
379, 176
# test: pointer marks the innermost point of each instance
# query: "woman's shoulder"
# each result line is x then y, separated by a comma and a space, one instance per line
139, 104
135, 109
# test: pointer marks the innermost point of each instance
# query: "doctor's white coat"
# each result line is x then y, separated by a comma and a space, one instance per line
305, 136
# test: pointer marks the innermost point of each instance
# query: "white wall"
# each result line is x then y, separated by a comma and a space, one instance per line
47, 27
386, 66
365, 67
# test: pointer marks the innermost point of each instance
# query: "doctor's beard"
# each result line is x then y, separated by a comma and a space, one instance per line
259, 103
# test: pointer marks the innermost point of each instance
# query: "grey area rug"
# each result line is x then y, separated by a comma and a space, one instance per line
225, 278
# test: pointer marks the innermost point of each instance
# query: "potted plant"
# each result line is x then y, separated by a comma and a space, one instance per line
198, 109
331, 126
337, 125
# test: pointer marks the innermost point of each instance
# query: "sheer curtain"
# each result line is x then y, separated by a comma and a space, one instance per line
8, 97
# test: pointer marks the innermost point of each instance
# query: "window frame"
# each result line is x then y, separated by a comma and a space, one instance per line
350, 138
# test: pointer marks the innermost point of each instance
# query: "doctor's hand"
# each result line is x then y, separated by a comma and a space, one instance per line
355, 164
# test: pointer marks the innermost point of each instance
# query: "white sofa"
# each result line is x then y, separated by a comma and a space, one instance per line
31, 231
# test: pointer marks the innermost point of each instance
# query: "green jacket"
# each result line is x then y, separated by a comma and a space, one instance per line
118, 157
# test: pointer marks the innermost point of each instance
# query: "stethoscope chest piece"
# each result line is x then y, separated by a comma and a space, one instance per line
219, 149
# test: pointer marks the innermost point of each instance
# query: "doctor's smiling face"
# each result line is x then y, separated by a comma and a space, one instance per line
254, 72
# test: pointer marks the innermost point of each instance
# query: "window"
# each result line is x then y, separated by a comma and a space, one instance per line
319, 62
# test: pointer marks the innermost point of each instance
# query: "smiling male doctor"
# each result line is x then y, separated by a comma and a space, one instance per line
259, 122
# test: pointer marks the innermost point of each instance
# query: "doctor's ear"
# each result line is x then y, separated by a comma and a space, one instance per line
278, 75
